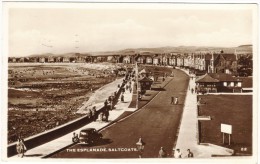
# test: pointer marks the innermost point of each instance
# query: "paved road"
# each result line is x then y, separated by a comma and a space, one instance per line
157, 123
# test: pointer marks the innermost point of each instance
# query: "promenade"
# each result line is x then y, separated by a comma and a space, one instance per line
66, 140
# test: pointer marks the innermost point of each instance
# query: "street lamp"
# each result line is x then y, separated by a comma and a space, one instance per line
140, 147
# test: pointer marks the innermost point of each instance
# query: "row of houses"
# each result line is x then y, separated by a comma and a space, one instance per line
56, 59
199, 62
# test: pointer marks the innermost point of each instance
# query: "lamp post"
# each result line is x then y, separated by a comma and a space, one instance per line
140, 147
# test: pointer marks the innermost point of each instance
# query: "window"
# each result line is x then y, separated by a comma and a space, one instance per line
239, 84
225, 84
232, 84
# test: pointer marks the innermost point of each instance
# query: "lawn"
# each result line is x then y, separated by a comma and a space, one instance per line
235, 110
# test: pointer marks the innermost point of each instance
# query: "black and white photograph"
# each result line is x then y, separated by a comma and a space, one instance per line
129, 81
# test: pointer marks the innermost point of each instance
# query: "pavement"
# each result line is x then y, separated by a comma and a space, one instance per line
188, 133
99, 96
66, 140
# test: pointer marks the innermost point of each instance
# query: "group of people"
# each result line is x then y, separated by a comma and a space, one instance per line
92, 113
103, 116
128, 86
193, 90
175, 153
174, 100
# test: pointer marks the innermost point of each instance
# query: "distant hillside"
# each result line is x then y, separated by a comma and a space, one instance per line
246, 45
168, 49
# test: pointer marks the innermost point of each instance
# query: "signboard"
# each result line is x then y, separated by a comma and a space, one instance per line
225, 128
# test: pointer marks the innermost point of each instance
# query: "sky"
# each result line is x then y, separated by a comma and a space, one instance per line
63, 30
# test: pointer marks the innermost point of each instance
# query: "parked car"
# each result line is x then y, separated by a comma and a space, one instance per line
89, 136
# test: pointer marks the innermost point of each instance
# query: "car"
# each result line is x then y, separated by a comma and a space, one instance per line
89, 136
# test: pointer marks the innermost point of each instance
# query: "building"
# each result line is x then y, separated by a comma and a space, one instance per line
225, 63
51, 59
218, 82
127, 59
65, 59
145, 84
156, 60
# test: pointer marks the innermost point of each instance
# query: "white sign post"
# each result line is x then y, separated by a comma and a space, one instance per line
225, 128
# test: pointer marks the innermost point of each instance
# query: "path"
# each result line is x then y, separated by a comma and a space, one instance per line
188, 134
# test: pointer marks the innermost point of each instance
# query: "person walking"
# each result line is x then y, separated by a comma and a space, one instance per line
101, 115
177, 153
172, 100
192, 90
162, 153
20, 147
176, 101
190, 154
94, 113
89, 113
122, 98
105, 103
106, 115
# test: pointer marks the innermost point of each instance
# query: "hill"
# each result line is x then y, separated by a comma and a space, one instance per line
168, 49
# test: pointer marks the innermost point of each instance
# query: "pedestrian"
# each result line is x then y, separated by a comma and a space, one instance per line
190, 154
172, 100
101, 116
109, 98
122, 98
104, 117
89, 113
20, 147
176, 101
192, 90
140, 146
105, 103
162, 153
177, 153
111, 105
130, 89
139, 96
75, 138
94, 113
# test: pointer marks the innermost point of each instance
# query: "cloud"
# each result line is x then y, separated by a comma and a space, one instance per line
99, 30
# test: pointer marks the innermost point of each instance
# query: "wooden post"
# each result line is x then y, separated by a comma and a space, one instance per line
223, 138
229, 139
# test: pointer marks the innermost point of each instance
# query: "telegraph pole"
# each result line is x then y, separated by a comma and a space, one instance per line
136, 75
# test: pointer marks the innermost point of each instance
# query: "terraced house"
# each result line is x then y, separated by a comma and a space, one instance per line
199, 62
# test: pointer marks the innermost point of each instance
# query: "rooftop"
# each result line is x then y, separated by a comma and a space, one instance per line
206, 79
